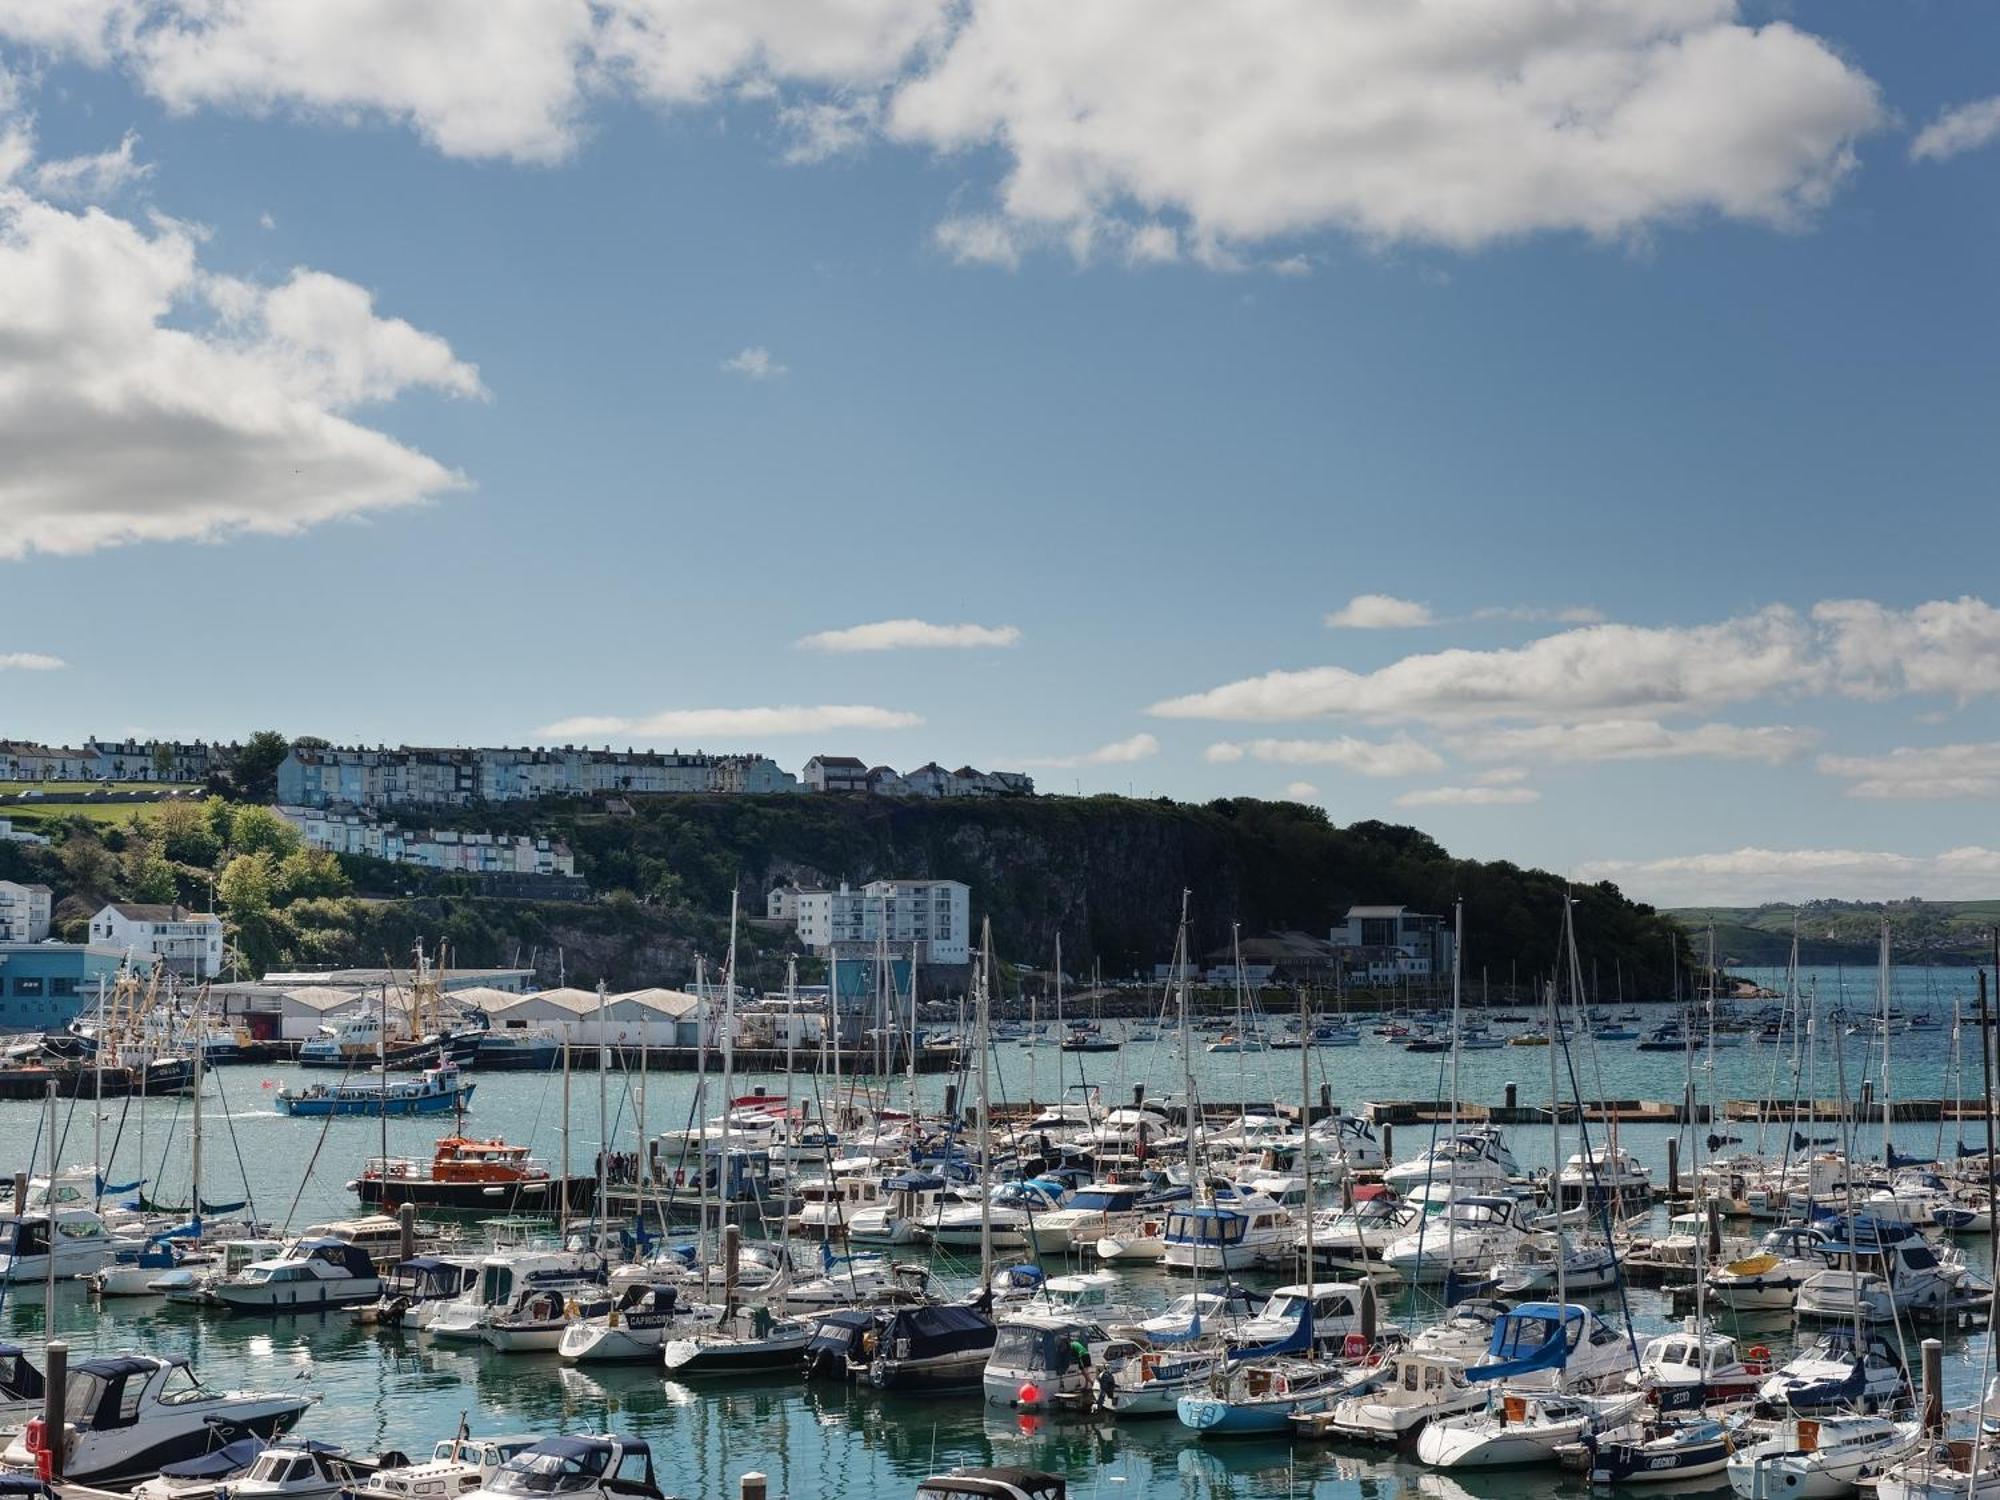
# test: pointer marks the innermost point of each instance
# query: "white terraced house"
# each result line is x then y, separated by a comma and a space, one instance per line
187, 942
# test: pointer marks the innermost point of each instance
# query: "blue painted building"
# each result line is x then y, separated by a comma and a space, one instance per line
45, 986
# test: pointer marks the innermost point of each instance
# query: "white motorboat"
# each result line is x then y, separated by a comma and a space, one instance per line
456, 1464
635, 1328
578, 1468
1875, 1282
1772, 1277
1093, 1212
1006, 1221
861, 1280
1188, 1316
1605, 1176
1412, 1390
1543, 1263
1353, 1239
1465, 1240
1696, 1366
131, 1413
79, 1243
1516, 1429
296, 1471
314, 1273
827, 1205
1476, 1159
1229, 1232
415, 1287
540, 1316
1047, 1359
1820, 1458
1837, 1373
203, 1478
505, 1277
908, 1201
1961, 1469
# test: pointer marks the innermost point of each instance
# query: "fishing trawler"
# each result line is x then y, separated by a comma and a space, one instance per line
436, 1091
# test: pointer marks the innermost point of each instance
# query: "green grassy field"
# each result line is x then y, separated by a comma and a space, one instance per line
53, 790
30, 814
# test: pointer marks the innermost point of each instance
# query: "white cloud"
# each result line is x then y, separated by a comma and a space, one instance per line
1301, 791
1396, 122
1945, 646
755, 363
1597, 669
92, 179
1570, 614
1965, 127
723, 724
1118, 753
1401, 756
1469, 796
30, 661
1502, 776
1750, 876
265, 221
1293, 265
1934, 773
905, 635
1380, 612
1637, 739
127, 415
1226, 128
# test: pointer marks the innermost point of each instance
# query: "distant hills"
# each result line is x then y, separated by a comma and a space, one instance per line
1845, 932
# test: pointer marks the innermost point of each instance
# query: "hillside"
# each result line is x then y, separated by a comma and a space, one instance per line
1846, 932
1104, 873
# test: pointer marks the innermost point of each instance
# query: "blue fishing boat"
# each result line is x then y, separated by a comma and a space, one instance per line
435, 1091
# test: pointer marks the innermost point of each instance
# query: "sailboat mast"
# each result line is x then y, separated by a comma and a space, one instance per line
564, 1226
194, 1150
1888, 1107
603, 1110
983, 1040
1555, 1122
723, 1186
1305, 1134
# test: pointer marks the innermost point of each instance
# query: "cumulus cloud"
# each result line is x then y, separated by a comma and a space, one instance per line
144, 398
755, 363
1750, 876
1964, 127
1935, 773
30, 661
1302, 791
1118, 753
1592, 670
1380, 612
1638, 739
1945, 646
1119, 123
1469, 796
908, 635
1502, 776
1401, 756
92, 179
723, 724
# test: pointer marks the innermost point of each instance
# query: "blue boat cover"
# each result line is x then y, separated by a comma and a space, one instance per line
226, 1460
1298, 1341
1508, 1355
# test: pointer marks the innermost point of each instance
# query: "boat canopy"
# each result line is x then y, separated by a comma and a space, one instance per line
948, 1328
1298, 1341
1534, 1336
225, 1460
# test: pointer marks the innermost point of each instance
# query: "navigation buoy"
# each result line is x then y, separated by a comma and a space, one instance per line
1029, 1394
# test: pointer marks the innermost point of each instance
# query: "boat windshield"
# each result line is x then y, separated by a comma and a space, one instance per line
548, 1473
1019, 1348
180, 1388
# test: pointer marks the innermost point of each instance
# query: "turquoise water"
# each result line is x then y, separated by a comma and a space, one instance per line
399, 1390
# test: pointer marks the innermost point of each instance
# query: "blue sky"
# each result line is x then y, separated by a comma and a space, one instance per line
474, 373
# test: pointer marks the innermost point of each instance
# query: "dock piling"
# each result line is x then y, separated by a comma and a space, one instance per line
1673, 1168
1933, 1387
406, 1226
752, 1486
56, 1380
20, 1192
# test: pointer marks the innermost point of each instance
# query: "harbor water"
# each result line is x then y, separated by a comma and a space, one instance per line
388, 1389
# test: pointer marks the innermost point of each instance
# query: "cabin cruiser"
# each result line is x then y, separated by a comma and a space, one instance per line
1962, 1469
1353, 1239
1007, 1218
136, 1272
1549, 1345
907, 1202
827, 1205
1880, 1280
1820, 1458
457, 1464
1696, 1366
193, 1282
1772, 1277
1836, 1372
1353, 1140
1231, 1231
1092, 1212
78, 1241
130, 1414
297, 1471
1041, 1360
1224, 1309
1606, 1176
204, 1478
1543, 1264
1465, 1333
859, 1280
1474, 1160
505, 1278
1470, 1235
1516, 1428
414, 1287
1411, 1390
314, 1273
580, 1468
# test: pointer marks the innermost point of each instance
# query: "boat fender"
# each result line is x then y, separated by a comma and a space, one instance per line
1354, 1346
1757, 1359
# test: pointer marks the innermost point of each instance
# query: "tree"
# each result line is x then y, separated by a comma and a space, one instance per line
163, 760
185, 833
87, 862
153, 880
254, 829
256, 769
246, 886
309, 874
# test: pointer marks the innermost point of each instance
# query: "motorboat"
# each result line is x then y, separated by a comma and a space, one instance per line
77, 1240
1353, 1239
1820, 1458
857, 1281
193, 1282
1475, 1159
1465, 1332
1354, 1140
128, 1415
1469, 1237
414, 1287
908, 1201
1656, 1450
1143, 1243
994, 1484
1772, 1277
506, 1277
827, 1205
578, 1468
435, 1091
297, 1471
1229, 1232
1004, 1222
485, 1176
1836, 1372
315, 1273
457, 1464
136, 1272
205, 1477
1412, 1389
1046, 1359
1880, 1280
1696, 1366
1604, 1177
1961, 1469
945, 1346
1542, 1264
1093, 1211
1516, 1429
1223, 1308
1550, 1345
539, 1318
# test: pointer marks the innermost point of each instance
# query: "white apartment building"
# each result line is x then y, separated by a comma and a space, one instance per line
187, 942
434, 849
935, 915
10, 834
24, 912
